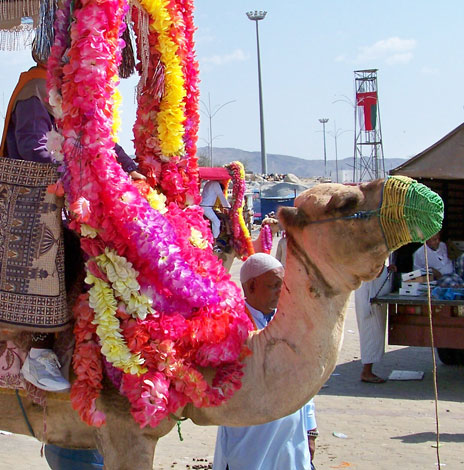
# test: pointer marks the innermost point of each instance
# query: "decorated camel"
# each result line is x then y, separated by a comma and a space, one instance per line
235, 240
338, 236
160, 329
262, 244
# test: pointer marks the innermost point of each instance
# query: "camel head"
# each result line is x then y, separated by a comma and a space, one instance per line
273, 224
343, 234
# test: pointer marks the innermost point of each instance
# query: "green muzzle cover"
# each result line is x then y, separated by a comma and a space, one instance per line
410, 212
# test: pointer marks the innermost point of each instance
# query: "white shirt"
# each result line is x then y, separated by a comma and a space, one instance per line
211, 191
437, 259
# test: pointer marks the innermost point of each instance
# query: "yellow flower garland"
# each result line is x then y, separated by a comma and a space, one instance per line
171, 115
123, 279
241, 220
113, 347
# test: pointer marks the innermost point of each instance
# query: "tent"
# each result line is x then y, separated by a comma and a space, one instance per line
441, 168
443, 160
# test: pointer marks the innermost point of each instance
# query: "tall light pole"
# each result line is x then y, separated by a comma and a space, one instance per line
258, 16
211, 112
324, 121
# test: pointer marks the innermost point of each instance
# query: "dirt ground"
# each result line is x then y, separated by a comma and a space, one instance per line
383, 426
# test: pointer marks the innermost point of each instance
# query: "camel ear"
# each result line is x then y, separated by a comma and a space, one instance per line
293, 217
342, 203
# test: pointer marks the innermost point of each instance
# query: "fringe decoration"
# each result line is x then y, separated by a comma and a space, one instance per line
17, 9
17, 38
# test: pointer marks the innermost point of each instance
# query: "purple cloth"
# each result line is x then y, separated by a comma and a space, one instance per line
124, 160
27, 135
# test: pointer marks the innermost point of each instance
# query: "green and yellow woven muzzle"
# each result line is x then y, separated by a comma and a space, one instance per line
410, 212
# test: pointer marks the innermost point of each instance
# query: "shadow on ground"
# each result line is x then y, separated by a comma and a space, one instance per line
422, 437
345, 380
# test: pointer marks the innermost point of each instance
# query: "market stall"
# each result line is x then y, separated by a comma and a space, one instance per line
441, 168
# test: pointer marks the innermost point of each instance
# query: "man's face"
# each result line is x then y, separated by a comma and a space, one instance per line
434, 242
263, 292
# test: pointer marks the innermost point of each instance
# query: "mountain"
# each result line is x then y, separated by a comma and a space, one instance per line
284, 163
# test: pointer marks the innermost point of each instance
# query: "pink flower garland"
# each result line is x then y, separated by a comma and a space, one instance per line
199, 318
266, 238
87, 362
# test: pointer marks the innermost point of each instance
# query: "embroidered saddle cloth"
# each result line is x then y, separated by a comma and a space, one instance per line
32, 287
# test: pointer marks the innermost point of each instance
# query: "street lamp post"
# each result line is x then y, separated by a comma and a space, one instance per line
211, 113
335, 133
258, 16
324, 121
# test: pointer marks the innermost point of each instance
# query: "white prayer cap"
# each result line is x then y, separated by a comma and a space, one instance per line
258, 264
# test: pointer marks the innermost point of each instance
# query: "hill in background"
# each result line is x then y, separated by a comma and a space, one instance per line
284, 163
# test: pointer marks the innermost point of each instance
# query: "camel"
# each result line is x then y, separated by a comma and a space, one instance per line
291, 359
227, 258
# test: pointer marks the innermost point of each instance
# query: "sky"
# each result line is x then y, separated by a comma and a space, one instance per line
309, 51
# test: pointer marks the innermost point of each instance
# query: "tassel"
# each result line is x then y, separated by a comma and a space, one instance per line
127, 66
44, 37
143, 47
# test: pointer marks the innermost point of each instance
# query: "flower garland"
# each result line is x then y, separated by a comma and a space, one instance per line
266, 238
87, 365
241, 236
170, 116
160, 303
176, 174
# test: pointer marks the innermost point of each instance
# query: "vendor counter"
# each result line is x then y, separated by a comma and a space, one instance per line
408, 321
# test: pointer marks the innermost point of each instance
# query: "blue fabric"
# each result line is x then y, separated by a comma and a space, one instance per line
60, 458
444, 293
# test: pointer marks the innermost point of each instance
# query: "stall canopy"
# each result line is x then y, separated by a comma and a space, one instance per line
443, 160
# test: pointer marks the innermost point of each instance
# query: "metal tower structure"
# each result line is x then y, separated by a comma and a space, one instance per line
368, 148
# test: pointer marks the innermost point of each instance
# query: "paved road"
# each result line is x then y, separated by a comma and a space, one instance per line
388, 426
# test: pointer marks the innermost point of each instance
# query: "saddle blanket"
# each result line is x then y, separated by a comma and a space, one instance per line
32, 287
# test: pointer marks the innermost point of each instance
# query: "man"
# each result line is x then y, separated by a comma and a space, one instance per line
211, 191
438, 260
281, 251
28, 120
286, 443
372, 322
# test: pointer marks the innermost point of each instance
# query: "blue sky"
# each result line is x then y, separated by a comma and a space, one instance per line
309, 51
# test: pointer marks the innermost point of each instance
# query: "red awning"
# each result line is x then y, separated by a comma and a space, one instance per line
213, 173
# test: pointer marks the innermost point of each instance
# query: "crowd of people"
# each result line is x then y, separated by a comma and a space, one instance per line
273, 176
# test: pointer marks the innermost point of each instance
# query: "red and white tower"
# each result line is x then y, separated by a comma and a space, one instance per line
368, 148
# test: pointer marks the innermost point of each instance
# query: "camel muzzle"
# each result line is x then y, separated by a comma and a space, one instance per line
409, 212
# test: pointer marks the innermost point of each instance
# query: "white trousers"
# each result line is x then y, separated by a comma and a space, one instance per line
215, 222
372, 319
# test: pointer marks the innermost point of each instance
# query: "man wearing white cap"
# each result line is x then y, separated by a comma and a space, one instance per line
286, 443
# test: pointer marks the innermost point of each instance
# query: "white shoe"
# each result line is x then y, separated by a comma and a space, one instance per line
43, 371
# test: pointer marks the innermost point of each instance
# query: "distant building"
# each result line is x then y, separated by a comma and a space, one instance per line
346, 176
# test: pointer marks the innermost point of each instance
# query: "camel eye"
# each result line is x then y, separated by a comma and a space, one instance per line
350, 205
344, 205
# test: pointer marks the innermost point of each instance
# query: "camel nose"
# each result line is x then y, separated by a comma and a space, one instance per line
410, 212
